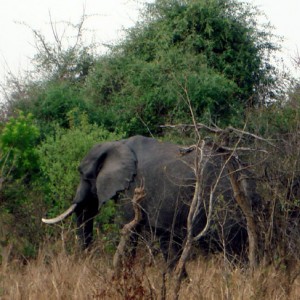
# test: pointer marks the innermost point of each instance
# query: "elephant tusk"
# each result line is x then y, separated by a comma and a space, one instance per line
61, 217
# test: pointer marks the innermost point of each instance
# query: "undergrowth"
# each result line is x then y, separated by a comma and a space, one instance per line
60, 275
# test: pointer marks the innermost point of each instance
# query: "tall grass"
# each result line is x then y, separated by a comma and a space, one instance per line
61, 275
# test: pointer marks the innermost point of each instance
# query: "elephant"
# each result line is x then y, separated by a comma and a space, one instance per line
112, 170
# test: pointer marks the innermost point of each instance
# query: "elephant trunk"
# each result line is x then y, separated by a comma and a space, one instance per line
61, 217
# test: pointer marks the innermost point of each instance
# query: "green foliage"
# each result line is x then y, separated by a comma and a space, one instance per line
56, 160
60, 156
18, 140
107, 225
64, 59
51, 102
275, 120
211, 53
20, 201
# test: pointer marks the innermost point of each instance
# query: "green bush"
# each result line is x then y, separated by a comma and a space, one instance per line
60, 156
18, 141
20, 201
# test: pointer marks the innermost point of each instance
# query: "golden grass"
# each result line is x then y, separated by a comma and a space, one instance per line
58, 275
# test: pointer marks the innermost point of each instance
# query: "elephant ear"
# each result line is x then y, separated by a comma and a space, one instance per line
113, 165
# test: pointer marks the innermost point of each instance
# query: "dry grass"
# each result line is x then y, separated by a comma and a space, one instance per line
58, 275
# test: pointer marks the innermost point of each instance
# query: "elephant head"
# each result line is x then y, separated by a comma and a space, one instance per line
106, 170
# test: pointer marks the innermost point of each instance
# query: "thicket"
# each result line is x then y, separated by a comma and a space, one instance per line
277, 172
212, 52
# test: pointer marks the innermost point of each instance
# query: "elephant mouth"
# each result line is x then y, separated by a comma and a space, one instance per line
61, 217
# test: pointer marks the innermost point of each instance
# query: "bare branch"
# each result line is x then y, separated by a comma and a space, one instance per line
210, 205
55, 34
243, 132
218, 130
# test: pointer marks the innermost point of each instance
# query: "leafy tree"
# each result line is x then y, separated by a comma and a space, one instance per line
210, 51
224, 32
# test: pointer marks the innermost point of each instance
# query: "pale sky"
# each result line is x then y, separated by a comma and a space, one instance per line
107, 18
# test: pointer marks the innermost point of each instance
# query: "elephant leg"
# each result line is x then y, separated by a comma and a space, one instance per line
133, 242
85, 224
84, 229
171, 248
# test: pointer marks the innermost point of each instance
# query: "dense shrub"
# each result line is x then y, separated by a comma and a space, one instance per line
18, 141
60, 155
